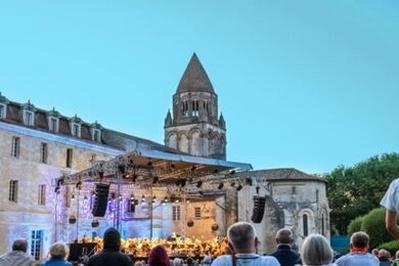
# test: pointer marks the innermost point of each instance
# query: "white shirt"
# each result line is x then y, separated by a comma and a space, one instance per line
390, 200
250, 259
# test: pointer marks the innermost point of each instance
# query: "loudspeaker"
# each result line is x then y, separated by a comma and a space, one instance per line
101, 200
259, 209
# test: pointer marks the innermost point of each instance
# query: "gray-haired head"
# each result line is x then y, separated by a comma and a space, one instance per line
316, 250
284, 236
59, 250
242, 236
20, 245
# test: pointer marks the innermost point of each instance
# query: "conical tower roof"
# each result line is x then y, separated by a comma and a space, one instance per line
195, 78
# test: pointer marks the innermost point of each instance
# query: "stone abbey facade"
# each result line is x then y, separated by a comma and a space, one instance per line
38, 146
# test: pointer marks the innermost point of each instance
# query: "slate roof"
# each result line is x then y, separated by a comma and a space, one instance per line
283, 174
109, 137
195, 78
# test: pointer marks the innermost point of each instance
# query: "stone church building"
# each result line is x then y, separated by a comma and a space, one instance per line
38, 146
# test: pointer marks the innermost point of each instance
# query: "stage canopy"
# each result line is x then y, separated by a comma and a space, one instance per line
153, 167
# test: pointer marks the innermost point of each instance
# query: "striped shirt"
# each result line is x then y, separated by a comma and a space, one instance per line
16, 258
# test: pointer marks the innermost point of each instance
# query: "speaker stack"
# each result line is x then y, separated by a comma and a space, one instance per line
101, 200
259, 209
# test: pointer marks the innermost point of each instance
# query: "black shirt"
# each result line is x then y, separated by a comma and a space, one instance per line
286, 256
110, 258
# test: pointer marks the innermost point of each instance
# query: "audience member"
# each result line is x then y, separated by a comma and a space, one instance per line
58, 253
111, 254
158, 257
375, 252
284, 254
18, 255
396, 261
316, 251
384, 257
359, 255
243, 241
390, 202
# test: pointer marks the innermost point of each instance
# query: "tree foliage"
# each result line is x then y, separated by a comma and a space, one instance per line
355, 225
354, 191
391, 246
374, 225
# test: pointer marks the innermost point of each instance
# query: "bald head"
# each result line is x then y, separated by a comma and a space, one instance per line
284, 236
20, 245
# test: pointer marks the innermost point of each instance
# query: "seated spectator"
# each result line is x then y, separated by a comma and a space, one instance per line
139, 263
243, 241
111, 251
375, 252
284, 254
384, 257
58, 253
18, 255
158, 257
316, 251
178, 262
359, 255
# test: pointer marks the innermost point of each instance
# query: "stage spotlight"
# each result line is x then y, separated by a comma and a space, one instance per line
166, 199
239, 187
142, 199
187, 201
155, 180
154, 199
221, 185
199, 184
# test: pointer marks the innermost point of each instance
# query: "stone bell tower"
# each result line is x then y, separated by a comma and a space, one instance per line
194, 126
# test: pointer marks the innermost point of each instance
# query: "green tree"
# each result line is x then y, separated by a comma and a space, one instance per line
374, 225
355, 225
354, 191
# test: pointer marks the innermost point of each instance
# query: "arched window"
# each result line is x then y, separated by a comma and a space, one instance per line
305, 225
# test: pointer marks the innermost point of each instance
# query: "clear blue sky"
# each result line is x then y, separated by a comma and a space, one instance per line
305, 84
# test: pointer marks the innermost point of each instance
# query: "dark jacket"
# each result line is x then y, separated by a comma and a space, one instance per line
286, 256
111, 255
110, 258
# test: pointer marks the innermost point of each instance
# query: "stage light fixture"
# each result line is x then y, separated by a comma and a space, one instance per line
221, 185
199, 184
239, 187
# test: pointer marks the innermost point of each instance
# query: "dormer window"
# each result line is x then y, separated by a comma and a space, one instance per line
76, 130
3, 110
28, 118
53, 124
96, 135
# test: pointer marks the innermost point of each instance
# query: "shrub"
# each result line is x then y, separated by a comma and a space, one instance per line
374, 225
392, 246
355, 225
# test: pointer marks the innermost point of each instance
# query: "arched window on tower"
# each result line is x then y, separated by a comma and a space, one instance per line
195, 111
305, 225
